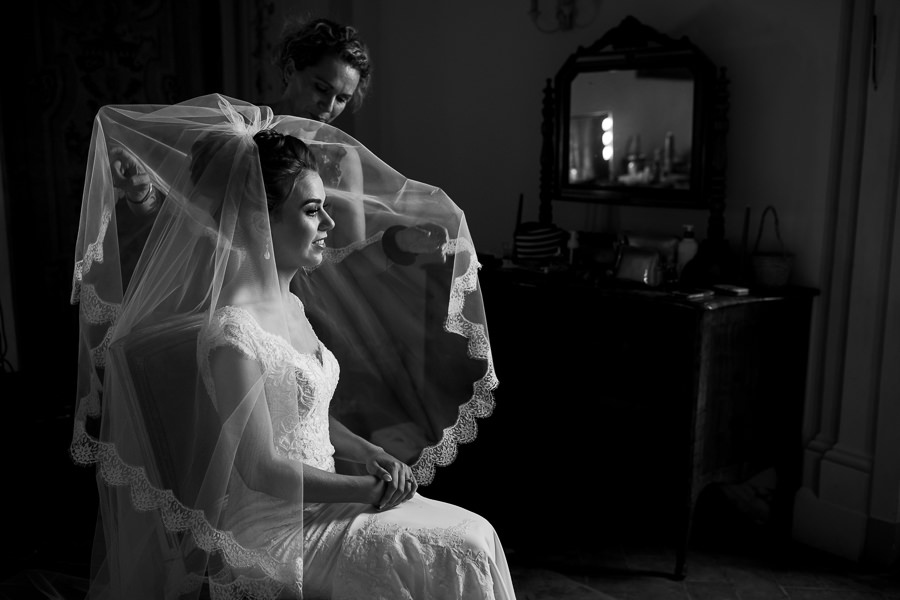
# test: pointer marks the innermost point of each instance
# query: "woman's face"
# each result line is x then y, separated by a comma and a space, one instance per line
321, 91
300, 225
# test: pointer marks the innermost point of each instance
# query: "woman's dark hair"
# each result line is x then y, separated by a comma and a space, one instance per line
284, 159
308, 42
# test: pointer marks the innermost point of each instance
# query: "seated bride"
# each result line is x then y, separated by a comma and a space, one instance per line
264, 408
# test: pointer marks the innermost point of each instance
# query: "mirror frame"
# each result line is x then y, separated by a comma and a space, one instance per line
631, 46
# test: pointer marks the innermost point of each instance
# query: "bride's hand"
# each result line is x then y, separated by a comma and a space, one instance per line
400, 484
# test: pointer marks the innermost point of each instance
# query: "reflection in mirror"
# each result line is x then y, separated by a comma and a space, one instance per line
631, 127
637, 118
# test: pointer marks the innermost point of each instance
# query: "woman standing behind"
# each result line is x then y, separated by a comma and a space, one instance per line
325, 68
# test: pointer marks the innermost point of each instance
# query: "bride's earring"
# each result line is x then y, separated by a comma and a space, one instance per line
267, 256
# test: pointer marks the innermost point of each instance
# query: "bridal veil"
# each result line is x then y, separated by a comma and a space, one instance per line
409, 332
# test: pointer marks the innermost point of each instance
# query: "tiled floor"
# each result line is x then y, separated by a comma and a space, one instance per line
737, 562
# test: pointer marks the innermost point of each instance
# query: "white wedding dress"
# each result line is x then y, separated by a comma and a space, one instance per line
423, 549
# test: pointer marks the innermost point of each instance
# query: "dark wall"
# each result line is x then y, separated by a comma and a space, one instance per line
63, 60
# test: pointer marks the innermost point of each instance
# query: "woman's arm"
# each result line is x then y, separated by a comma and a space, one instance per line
345, 208
241, 403
402, 242
401, 484
351, 447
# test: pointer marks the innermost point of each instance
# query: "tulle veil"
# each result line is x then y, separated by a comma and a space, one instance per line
410, 335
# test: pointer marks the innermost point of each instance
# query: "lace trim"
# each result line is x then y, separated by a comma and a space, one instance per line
176, 517
481, 404
89, 406
98, 353
249, 588
336, 255
94, 309
93, 252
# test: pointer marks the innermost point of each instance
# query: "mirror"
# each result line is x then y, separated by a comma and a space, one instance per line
623, 127
637, 118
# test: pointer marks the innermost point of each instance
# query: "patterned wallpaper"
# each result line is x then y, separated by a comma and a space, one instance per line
63, 60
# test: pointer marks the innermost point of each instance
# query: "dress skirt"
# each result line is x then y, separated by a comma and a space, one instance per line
423, 549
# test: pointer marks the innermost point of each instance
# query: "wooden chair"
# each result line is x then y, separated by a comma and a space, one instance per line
141, 357
168, 347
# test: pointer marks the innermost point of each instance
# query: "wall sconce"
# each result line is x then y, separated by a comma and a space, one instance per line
565, 16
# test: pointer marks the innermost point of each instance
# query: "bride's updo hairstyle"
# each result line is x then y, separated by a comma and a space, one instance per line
284, 160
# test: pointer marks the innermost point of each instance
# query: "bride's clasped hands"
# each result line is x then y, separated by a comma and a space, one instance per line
397, 481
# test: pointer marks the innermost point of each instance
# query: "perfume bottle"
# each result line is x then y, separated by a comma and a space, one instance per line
668, 155
572, 244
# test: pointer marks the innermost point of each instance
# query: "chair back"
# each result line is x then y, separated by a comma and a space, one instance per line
165, 404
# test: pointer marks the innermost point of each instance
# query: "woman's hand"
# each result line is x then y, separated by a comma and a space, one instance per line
399, 483
131, 177
422, 239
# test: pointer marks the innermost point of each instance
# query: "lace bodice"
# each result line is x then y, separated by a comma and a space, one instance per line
298, 386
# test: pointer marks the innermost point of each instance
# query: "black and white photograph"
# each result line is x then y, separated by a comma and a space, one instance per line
450, 299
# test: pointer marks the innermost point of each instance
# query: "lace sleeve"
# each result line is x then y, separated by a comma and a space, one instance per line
227, 327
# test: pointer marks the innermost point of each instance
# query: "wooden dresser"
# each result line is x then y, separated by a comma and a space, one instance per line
620, 404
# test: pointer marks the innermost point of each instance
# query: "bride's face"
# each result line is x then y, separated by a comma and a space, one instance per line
300, 225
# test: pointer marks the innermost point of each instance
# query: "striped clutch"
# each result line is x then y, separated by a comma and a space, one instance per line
539, 241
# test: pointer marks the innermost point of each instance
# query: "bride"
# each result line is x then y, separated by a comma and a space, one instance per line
254, 442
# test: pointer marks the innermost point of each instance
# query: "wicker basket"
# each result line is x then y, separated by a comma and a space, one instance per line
771, 269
